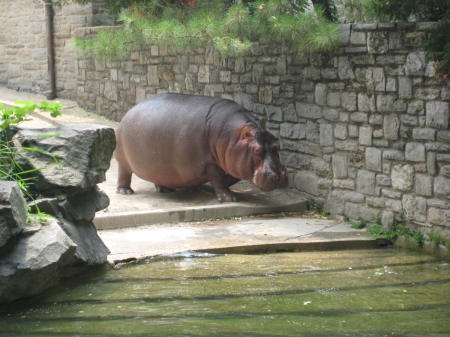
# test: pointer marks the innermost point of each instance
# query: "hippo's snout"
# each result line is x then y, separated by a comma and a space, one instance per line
270, 180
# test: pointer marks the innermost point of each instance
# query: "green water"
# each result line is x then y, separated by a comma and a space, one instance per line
344, 293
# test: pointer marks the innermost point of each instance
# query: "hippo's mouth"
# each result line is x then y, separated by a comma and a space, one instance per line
270, 181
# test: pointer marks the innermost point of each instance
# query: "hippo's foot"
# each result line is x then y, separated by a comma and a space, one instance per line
163, 189
226, 196
124, 190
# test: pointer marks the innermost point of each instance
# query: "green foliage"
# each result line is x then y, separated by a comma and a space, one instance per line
419, 238
317, 207
229, 27
447, 244
358, 224
376, 229
435, 239
10, 169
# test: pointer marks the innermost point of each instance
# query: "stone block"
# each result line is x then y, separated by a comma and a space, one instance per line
373, 159
345, 184
293, 131
385, 103
306, 110
388, 221
281, 65
365, 135
415, 64
339, 166
437, 114
356, 212
416, 108
404, 87
442, 187
438, 216
366, 102
365, 182
326, 135
265, 95
331, 114
359, 117
391, 127
384, 180
431, 163
391, 84
427, 93
415, 152
424, 134
330, 73
395, 40
349, 101
375, 79
358, 37
340, 131
345, 70
345, 31
321, 94
334, 99
402, 177
424, 185
377, 42
415, 208
306, 181
203, 74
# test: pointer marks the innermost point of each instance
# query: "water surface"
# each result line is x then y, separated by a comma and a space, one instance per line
344, 293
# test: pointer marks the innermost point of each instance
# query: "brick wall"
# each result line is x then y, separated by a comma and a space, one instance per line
364, 131
23, 46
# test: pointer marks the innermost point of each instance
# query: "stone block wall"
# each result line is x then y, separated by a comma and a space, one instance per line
23, 45
365, 131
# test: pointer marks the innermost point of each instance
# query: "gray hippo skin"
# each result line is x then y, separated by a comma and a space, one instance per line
176, 140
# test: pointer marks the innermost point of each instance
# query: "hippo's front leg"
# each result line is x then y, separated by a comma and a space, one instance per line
221, 182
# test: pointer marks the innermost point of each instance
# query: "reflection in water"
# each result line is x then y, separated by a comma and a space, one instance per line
345, 293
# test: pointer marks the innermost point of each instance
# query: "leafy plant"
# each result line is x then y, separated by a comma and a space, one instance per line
376, 229
317, 207
419, 238
10, 169
358, 224
435, 239
229, 27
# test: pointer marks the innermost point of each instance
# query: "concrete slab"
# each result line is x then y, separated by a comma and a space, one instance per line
250, 235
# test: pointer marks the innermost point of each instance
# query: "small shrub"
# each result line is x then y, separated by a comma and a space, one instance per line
419, 238
376, 229
358, 224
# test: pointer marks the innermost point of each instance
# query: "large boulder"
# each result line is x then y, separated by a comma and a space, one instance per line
13, 211
83, 151
35, 262
90, 248
84, 204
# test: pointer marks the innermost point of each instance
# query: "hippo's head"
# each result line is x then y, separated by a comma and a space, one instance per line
255, 157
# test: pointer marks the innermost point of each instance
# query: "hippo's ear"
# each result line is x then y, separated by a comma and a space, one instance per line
248, 133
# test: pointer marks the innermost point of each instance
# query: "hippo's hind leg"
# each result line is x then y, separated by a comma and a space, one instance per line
163, 189
124, 181
221, 182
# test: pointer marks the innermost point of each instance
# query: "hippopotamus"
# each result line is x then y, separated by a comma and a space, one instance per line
180, 140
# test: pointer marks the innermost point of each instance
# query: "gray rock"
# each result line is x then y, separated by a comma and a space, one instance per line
46, 205
306, 110
35, 262
365, 135
356, 212
349, 101
373, 159
321, 94
424, 134
385, 103
404, 87
391, 127
424, 184
431, 162
437, 114
293, 131
415, 63
442, 187
340, 131
83, 151
388, 221
102, 20
415, 208
366, 102
365, 182
438, 216
415, 152
307, 182
321, 167
90, 248
326, 135
345, 70
13, 211
402, 177
84, 205
377, 42
340, 166
375, 79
